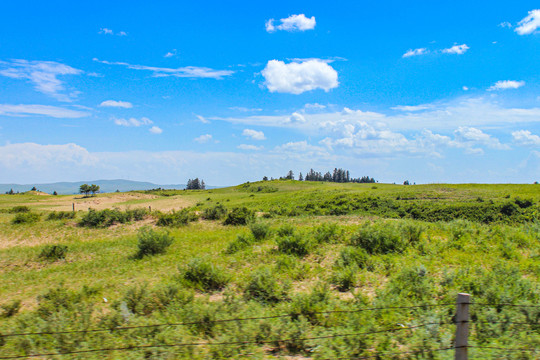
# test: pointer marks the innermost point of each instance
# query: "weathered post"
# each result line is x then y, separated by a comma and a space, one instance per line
73, 206
149, 208
462, 327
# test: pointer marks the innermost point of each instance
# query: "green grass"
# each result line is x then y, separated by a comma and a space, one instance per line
349, 261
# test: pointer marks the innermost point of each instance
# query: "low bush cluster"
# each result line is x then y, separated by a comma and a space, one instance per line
262, 286
176, 218
61, 215
107, 217
53, 252
239, 216
203, 275
25, 218
217, 212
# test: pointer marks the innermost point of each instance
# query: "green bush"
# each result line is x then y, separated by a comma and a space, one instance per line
152, 242
344, 278
379, 238
107, 217
294, 245
328, 233
353, 256
19, 209
217, 212
239, 216
53, 252
263, 287
285, 230
176, 218
203, 275
260, 231
60, 215
25, 218
10, 309
240, 243
411, 232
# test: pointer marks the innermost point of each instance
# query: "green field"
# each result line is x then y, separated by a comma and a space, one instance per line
317, 253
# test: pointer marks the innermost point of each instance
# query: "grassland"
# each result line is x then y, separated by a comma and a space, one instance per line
307, 247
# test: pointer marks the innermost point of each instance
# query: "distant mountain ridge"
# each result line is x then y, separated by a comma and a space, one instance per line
66, 188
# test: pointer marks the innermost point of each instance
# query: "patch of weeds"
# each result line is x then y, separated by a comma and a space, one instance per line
260, 231
10, 309
60, 215
176, 218
294, 245
240, 243
217, 212
379, 238
263, 287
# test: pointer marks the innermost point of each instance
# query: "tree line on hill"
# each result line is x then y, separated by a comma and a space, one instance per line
195, 184
338, 175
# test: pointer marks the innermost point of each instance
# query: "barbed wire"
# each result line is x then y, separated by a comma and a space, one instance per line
227, 343
504, 349
219, 320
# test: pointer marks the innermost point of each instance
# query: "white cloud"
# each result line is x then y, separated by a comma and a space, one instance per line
506, 84
202, 119
415, 52
170, 53
106, 31
114, 103
474, 136
45, 110
296, 78
293, 23
249, 147
505, 24
465, 88
133, 122
155, 130
181, 72
42, 74
254, 134
456, 49
297, 118
314, 106
244, 109
529, 24
203, 138
525, 138
411, 108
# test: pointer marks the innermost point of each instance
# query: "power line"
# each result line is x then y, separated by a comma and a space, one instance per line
228, 343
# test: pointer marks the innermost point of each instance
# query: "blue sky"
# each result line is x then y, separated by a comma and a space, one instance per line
164, 91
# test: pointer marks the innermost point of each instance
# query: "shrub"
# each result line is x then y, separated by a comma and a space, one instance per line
523, 203
241, 242
60, 215
239, 216
379, 238
108, 217
344, 278
217, 212
263, 287
152, 242
353, 256
203, 275
176, 218
53, 252
11, 309
260, 231
294, 245
25, 218
411, 232
328, 233
19, 209
285, 230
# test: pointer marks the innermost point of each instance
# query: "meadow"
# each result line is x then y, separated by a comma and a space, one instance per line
272, 269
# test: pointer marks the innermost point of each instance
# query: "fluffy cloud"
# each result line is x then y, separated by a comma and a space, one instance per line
415, 52
155, 130
42, 74
410, 108
254, 134
113, 103
525, 138
299, 77
473, 136
170, 53
133, 122
292, 23
506, 84
203, 138
249, 147
529, 24
456, 49
44, 110
181, 72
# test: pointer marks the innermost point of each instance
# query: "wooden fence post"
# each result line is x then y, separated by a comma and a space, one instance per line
73, 206
462, 327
